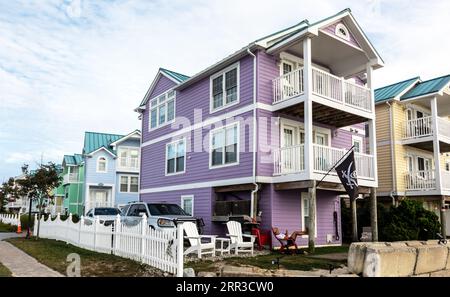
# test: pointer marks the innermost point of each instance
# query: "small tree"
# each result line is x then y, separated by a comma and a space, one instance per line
8, 193
38, 186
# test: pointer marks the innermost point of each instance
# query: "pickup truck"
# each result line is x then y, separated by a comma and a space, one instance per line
160, 215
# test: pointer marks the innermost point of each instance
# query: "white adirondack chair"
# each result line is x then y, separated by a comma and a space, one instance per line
197, 246
237, 238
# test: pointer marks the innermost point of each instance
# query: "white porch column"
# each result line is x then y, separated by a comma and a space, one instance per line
436, 149
308, 114
372, 128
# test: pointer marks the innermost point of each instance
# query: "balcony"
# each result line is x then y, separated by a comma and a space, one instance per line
424, 180
335, 89
419, 133
70, 178
128, 164
291, 160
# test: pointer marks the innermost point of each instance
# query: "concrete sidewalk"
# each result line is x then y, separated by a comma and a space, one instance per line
19, 263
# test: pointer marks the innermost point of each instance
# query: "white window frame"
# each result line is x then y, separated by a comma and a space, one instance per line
288, 123
303, 196
166, 101
175, 142
120, 149
98, 163
128, 191
188, 197
339, 34
238, 145
359, 139
222, 73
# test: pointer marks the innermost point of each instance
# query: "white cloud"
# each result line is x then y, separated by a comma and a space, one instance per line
76, 65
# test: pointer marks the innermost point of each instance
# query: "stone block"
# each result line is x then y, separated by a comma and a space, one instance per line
207, 274
442, 273
396, 243
431, 258
447, 266
356, 255
389, 261
188, 272
415, 243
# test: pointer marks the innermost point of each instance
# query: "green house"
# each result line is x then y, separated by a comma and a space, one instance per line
73, 180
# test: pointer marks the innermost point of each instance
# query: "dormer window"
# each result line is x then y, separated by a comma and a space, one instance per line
342, 31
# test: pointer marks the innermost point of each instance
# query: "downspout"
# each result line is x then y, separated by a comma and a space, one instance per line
255, 131
394, 177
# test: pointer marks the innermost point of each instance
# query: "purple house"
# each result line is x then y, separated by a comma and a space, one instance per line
251, 135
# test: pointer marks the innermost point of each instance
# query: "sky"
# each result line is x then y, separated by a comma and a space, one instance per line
70, 66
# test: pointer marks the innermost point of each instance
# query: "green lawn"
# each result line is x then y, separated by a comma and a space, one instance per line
289, 262
54, 254
4, 272
7, 228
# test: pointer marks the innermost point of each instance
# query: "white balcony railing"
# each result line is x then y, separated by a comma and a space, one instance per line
288, 85
325, 157
128, 164
444, 127
324, 84
70, 178
291, 159
420, 180
418, 128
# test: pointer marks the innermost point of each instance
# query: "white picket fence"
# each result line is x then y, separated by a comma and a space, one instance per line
10, 219
160, 249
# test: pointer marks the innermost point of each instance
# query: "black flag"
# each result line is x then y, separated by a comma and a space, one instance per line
346, 171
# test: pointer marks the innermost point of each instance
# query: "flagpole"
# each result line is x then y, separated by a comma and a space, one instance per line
334, 166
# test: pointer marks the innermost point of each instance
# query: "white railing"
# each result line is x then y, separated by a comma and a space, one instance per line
10, 219
289, 160
325, 157
160, 249
444, 127
418, 128
325, 85
128, 164
357, 96
288, 85
445, 178
420, 180
70, 178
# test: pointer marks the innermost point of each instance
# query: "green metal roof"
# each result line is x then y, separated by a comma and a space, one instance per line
94, 140
391, 91
75, 159
175, 75
427, 87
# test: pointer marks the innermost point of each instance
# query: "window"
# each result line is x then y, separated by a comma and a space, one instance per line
342, 32
305, 211
175, 157
128, 157
224, 146
129, 184
357, 142
225, 88
102, 165
287, 67
162, 109
187, 204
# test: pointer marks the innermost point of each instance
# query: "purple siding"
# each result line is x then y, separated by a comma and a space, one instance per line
268, 140
163, 84
197, 97
197, 161
332, 30
267, 70
286, 214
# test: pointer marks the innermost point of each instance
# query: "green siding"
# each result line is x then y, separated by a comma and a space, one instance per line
73, 201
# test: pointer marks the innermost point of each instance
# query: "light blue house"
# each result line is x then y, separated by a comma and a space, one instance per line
111, 169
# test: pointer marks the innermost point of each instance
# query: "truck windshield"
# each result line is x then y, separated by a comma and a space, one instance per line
107, 211
166, 209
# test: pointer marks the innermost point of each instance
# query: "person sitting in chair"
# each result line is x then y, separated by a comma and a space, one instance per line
285, 236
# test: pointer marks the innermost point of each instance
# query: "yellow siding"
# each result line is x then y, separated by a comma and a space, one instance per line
383, 148
382, 122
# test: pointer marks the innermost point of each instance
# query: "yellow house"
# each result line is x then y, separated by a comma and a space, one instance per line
413, 142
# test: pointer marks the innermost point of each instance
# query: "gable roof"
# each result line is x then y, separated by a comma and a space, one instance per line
176, 77
94, 140
73, 160
428, 87
391, 91
138, 132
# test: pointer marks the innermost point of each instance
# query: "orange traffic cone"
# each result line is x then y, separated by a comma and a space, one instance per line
19, 228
